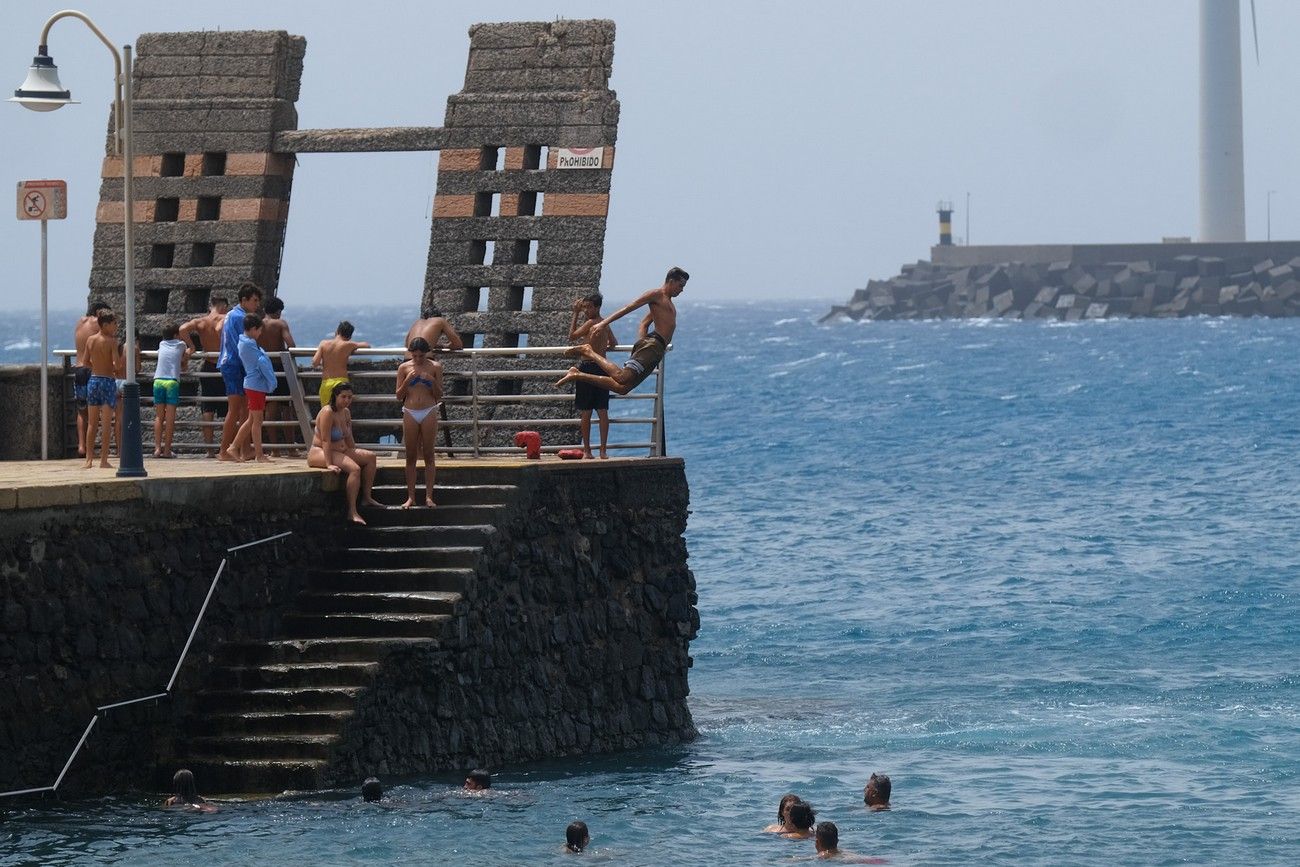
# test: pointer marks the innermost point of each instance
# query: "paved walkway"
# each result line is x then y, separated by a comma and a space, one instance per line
41, 484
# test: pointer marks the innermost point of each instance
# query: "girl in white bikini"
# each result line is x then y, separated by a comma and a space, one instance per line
419, 388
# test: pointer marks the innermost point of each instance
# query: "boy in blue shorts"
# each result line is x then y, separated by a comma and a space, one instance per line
232, 369
173, 356
102, 353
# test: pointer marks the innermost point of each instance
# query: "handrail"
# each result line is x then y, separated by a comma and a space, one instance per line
474, 412
166, 693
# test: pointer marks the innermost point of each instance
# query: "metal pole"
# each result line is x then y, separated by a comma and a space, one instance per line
197, 622
45, 341
131, 458
473, 386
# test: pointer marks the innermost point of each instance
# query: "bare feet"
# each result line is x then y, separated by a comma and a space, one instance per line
105, 465
410, 501
90, 462
603, 456
428, 501
567, 378
265, 459
230, 456
587, 455
582, 350
371, 501
357, 519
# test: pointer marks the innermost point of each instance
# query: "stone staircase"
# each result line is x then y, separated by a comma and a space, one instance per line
271, 712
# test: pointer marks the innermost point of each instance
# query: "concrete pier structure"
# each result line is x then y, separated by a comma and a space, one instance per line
545, 608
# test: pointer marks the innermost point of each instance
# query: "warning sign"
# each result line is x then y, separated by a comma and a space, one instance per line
580, 158
42, 200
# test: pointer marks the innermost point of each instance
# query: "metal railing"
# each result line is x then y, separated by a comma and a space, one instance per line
167, 690
473, 405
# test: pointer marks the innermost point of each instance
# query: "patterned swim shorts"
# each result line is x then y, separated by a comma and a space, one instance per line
102, 391
166, 392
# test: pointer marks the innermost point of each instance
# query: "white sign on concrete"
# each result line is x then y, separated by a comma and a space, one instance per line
42, 200
580, 158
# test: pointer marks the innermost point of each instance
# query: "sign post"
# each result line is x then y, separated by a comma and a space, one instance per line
44, 201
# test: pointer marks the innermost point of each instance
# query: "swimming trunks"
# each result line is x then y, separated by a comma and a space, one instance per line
80, 376
101, 391
211, 386
646, 355
587, 396
232, 376
256, 400
327, 388
166, 392
419, 415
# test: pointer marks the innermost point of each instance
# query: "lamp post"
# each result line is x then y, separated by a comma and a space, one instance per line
42, 91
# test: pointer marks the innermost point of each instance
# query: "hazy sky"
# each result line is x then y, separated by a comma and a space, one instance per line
775, 150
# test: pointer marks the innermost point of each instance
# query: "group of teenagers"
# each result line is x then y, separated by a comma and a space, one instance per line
795, 817
243, 336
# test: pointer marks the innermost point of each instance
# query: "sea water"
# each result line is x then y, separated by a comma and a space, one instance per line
1044, 576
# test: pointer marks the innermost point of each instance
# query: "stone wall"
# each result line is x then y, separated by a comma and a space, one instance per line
97, 600
574, 638
20, 423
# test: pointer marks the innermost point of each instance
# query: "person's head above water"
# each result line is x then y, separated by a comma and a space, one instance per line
801, 816
783, 808
828, 837
876, 794
372, 789
183, 787
576, 836
478, 779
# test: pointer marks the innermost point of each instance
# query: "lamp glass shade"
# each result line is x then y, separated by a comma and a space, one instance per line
42, 91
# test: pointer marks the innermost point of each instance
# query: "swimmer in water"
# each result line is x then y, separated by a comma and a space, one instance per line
801, 821
478, 780
372, 789
827, 842
576, 837
782, 823
187, 796
876, 794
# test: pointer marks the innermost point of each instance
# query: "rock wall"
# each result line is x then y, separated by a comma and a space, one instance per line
1184, 285
20, 423
97, 600
574, 639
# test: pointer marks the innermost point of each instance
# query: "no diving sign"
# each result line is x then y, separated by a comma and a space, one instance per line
580, 158
42, 200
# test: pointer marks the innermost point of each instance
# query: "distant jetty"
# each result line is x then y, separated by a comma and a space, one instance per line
1071, 283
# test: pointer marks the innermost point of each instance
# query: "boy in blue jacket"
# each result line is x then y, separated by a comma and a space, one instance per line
259, 381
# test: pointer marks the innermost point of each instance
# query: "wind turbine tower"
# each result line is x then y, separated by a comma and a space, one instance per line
1223, 177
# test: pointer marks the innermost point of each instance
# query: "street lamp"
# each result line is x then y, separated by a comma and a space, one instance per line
42, 91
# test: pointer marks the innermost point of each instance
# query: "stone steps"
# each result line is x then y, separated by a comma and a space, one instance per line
440, 516
372, 625
391, 580
292, 700
377, 602
278, 676
444, 556
272, 723
445, 495
275, 747
272, 711
336, 650
227, 775
419, 536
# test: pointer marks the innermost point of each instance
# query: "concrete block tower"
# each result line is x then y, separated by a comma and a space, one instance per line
517, 234
211, 195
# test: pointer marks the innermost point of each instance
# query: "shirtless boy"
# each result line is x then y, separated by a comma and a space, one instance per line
205, 334
588, 397
332, 358
102, 352
433, 327
276, 337
86, 326
649, 349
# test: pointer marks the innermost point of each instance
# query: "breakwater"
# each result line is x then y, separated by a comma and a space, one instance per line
564, 628
1077, 289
